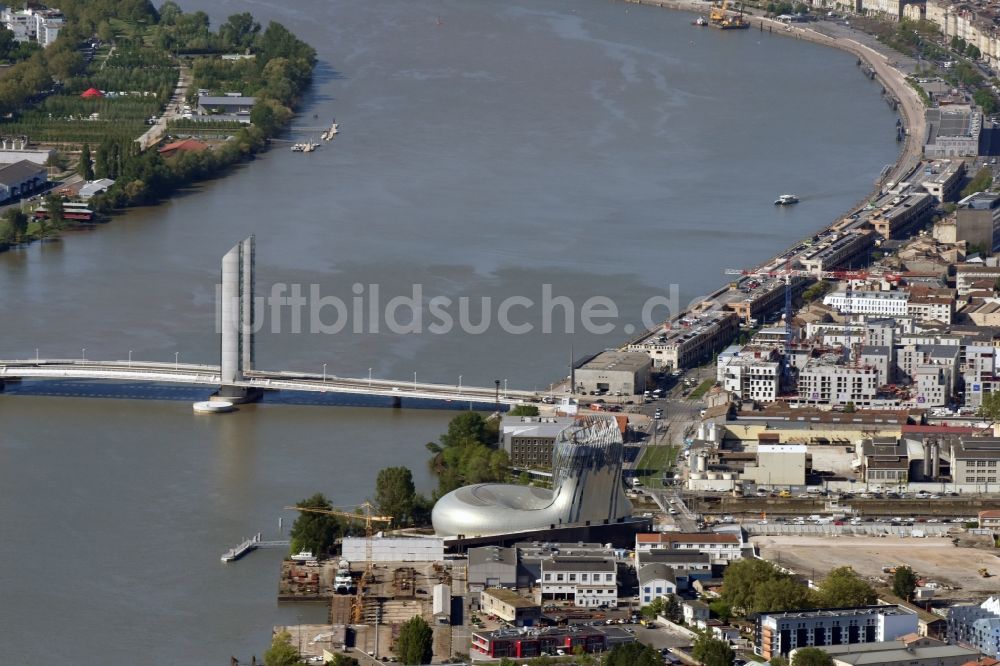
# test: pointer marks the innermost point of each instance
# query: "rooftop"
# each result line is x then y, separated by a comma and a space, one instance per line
686, 537
510, 597
616, 360
839, 612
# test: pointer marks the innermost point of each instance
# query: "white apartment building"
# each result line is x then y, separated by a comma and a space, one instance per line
881, 303
929, 308
721, 547
41, 25
825, 383
586, 581
751, 379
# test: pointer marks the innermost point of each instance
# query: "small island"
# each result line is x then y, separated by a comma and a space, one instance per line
106, 105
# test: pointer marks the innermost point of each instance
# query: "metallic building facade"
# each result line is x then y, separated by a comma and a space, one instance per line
237, 311
587, 490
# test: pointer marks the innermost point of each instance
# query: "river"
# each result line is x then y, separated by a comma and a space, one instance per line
487, 149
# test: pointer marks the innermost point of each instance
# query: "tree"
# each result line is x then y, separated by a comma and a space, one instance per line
843, 587
523, 410
54, 205
315, 532
395, 494
653, 608
752, 585
816, 291
633, 654
811, 656
712, 652
85, 167
281, 652
416, 641
342, 660
990, 406
721, 610
850, 407
18, 222
904, 582
778, 661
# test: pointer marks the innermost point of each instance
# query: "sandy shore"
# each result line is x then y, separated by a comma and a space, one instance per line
911, 107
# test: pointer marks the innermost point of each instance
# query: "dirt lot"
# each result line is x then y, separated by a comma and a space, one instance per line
937, 559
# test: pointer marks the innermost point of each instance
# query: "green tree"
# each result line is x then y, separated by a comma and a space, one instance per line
850, 407
721, 610
778, 661
467, 454
712, 652
342, 660
990, 406
18, 222
811, 656
85, 167
653, 608
843, 587
54, 205
633, 654
507, 662
982, 181
416, 641
315, 532
985, 100
816, 291
281, 652
904, 582
395, 494
751, 585
523, 410
785, 593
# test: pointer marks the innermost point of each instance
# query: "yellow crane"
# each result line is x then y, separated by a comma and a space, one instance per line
718, 14
357, 607
721, 18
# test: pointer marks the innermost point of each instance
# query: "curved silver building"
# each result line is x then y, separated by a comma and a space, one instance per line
587, 489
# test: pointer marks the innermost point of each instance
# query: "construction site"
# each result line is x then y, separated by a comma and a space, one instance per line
954, 569
370, 596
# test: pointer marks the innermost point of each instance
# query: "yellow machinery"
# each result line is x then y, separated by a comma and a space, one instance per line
718, 14
357, 607
720, 18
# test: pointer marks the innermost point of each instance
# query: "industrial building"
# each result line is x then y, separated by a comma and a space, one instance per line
944, 180
907, 650
884, 461
211, 105
839, 251
521, 644
977, 221
779, 465
21, 178
689, 340
586, 456
492, 566
620, 373
781, 632
902, 213
656, 581
952, 131
510, 607
394, 549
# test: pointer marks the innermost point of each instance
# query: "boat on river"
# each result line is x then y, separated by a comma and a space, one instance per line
786, 200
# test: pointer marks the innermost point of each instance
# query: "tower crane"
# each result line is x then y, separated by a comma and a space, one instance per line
357, 606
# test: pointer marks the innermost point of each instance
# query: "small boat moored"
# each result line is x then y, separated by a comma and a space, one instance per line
213, 407
700, 21
786, 200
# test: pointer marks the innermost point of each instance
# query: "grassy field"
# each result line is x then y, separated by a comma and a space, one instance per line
702, 389
654, 462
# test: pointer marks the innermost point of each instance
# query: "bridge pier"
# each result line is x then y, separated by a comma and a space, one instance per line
237, 394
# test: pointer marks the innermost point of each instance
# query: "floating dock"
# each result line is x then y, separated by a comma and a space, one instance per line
239, 551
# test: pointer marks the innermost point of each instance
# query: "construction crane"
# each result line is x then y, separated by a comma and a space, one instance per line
357, 607
719, 17
718, 14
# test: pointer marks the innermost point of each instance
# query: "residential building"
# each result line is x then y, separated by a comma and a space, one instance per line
989, 520
510, 607
655, 581
621, 373
188, 145
967, 274
678, 560
977, 221
825, 381
751, 378
931, 308
880, 303
586, 581
910, 650
48, 23
882, 358
695, 612
779, 633
689, 340
721, 548
528, 440
978, 626
35, 24
952, 131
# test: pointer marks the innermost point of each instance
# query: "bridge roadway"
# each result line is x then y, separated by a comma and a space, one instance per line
187, 373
